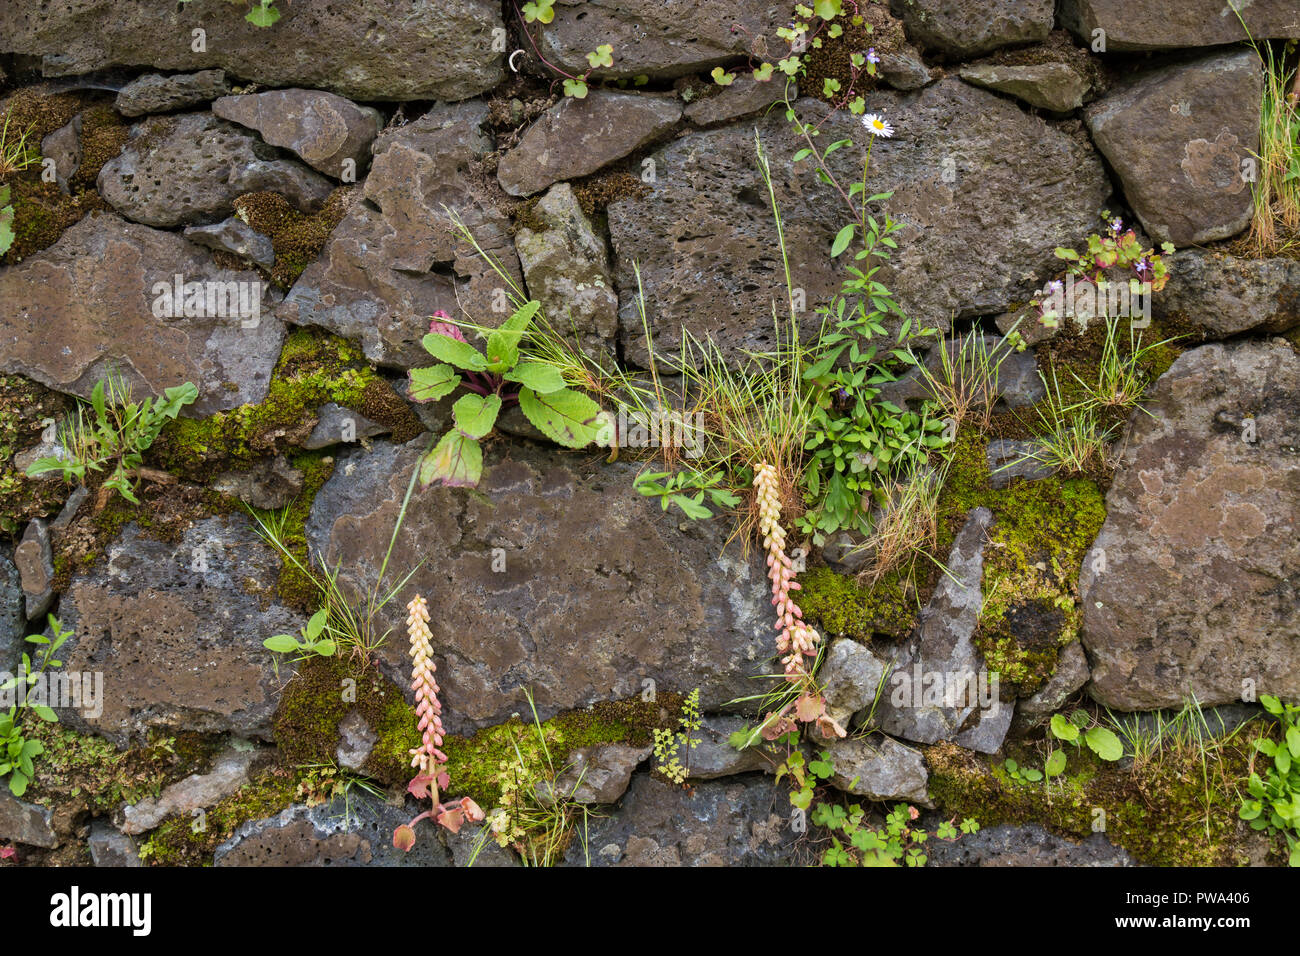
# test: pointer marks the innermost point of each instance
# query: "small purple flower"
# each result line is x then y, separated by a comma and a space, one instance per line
872, 56
1116, 225
1143, 268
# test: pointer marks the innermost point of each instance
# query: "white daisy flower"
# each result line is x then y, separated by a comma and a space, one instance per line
877, 125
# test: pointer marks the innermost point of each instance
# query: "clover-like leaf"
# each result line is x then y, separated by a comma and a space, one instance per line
577, 88
603, 55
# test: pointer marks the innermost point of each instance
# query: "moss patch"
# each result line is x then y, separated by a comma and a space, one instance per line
297, 238
1162, 815
314, 368
839, 606
25, 406
176, 842
42, 213
473, 763
322, 693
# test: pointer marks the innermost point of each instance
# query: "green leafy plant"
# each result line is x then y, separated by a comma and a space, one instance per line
312, 640
6, 221
1079, 730
543, 12
856, 842
496, 380
670, 745
1274, 802
687, 490
534, 815
17, 752
116, 436
1021, 774
16, 153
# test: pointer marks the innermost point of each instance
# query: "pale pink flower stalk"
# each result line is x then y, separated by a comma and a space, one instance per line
795, 640
428, 758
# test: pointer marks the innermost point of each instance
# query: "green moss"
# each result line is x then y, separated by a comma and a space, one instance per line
314, 368
1163, 814
1041, 532
90, 773
42, 213
473, 763
322, 693
177, 841
24, 408
103, 134
296, 237
838, 605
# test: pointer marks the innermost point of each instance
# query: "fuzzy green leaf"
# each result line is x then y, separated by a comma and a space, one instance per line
475, 415
432, 383
458, 353
566, 417
540, 377
456, 461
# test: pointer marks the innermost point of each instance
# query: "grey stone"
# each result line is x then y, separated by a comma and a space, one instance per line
236, 237
22, 822
198, 791
580, 546
110, 847
1071, 673
1226, 295
356, 741
935, 692
598, 774
86, 305
660, 39
177, 629
155, 93
566, 266
190, 168
576, 137
336, 425
63, 146
1018, 383
13, 616
960, 151
330, 133
879, 768
1009, 459
356, 830
714, 757
70, 508
744, 821
1183, 176
396, 52
965, 28
270, 483
397, 257
1025, 845
1057, 87
1154, 25
462, 847
850, 676
903, 69
744, 97
1193, 584
35, 560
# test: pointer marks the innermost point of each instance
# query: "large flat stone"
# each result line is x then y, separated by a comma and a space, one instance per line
86, 304
1183, 175
396, 51
983, 190
600, 589
1158, 25
176, 630
1193, 584
577, 137
966, 28
659, 38
396, 257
